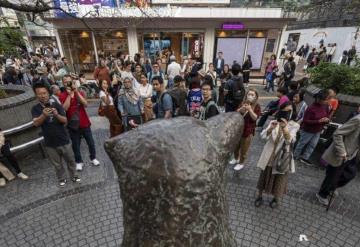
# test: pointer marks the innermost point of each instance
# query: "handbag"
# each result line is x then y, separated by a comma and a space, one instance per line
74, 122
283, 159
101, 110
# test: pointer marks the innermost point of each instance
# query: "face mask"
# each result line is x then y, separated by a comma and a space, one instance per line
251, 98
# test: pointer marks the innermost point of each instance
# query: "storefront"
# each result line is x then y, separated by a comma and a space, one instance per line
181, 44
182, 31
236, 43
84, 48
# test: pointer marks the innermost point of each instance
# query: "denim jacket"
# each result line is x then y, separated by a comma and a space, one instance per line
128, 108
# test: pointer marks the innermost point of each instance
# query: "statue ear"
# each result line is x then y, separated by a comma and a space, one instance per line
226, 130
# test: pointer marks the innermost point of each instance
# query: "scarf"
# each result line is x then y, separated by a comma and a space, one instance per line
131, 95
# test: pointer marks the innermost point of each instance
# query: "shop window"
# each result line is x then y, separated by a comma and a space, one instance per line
79, 49
110, 43
256, 50
162, 44
233, 49
270, 45
231, 33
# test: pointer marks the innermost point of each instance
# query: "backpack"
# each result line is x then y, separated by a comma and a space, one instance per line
205, 110
150, 76
175, 104
238, 90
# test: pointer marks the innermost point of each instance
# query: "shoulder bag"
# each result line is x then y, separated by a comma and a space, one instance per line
74, 122
283, 158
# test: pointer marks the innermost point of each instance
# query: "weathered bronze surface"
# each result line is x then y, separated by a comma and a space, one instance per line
172, 181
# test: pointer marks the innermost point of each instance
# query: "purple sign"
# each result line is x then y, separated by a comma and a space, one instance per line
233, 26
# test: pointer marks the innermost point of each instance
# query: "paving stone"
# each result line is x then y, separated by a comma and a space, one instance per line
38, 213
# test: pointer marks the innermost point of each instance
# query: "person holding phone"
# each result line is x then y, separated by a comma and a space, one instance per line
250, 110
79, 125
279, 132
51, 117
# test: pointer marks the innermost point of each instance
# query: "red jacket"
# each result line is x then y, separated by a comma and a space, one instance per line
74, 106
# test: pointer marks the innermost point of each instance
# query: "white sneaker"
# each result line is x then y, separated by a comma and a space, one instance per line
79, 166
233, 162
95, 162
23, 176
62, 183
323, 201
238, 167
2, 182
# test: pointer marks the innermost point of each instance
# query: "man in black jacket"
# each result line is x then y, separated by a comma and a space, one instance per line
351, 55
219, 63
234, 89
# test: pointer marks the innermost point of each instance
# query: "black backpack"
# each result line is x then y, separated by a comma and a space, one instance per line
238, 90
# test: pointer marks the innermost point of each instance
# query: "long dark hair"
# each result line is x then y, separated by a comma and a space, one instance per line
228, 67
101, 85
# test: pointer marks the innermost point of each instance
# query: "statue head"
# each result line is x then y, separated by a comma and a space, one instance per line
172, 180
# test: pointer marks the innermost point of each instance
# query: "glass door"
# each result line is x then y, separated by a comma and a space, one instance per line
152, 45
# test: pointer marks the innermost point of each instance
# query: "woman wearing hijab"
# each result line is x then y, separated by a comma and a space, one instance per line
280, 134
130, 105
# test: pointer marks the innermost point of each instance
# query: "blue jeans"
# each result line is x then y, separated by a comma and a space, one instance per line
306, 144
270, 85
75, 136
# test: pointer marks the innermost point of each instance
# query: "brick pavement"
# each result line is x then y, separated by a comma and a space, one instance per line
38, 213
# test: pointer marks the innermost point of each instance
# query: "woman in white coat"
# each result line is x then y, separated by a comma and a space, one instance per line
278, 131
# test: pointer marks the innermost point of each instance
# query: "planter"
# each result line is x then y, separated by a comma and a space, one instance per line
16, 111
347, 103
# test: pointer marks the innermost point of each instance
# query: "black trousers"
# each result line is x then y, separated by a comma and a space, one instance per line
246, 77
271, 108
337, 177
11, 163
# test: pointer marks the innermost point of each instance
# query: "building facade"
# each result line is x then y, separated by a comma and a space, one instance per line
185, 30
335, 23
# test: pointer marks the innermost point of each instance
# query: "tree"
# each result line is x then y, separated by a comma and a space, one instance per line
11, 39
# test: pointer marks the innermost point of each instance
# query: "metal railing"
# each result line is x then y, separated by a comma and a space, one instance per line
18, 128
25, 145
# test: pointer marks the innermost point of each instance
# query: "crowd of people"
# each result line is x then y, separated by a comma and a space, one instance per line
132, 93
